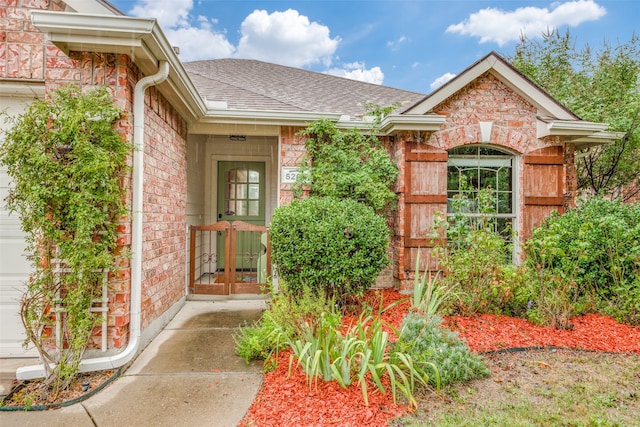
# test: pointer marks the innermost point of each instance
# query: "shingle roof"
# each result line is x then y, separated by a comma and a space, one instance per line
256, 85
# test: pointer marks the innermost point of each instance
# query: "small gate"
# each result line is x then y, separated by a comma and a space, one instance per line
229, 258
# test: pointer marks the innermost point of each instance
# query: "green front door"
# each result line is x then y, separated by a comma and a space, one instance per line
241, 197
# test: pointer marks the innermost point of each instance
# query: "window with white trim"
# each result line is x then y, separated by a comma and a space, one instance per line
480, 186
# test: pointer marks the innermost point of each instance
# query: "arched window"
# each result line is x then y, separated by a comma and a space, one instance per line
480, 187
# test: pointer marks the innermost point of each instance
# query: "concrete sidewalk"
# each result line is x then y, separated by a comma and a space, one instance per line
188, 375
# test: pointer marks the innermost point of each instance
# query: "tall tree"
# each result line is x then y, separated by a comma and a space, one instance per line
600, 85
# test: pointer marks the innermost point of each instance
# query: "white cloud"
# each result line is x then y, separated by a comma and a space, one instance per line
195, 37
286, 38
395, 44
358, 71
441, 80
499, 26
200, 43
169, 13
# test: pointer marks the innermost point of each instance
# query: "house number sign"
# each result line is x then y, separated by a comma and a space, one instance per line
289, 174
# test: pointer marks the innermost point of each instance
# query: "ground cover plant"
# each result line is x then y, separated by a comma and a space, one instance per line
540, 388
287, 399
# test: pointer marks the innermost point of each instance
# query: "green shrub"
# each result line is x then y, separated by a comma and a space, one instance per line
334, 247
286, 316
347, 164
476, 261
292, 311
67, 163
260, 340
439, 349
478, 273
590, 256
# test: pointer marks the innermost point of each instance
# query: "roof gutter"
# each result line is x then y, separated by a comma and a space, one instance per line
581, 133
135, 310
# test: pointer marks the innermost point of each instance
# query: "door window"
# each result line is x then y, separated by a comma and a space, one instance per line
242, 192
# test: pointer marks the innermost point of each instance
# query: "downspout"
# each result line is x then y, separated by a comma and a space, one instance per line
135, 305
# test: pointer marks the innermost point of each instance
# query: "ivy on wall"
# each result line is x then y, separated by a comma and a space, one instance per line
67, 164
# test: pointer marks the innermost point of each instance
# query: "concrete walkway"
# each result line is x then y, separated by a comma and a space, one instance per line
188, 375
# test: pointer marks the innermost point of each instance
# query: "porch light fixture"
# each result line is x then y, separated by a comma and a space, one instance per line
239, 138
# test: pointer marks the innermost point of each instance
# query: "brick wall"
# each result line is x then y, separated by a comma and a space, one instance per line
487, 99
514, 127
25, 55
165, 207
22, 46
291, 151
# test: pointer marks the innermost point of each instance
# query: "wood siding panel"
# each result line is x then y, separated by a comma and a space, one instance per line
534, 215
426, 194
428, 178
544, 186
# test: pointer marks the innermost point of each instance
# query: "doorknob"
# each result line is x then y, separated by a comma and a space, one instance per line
219, 216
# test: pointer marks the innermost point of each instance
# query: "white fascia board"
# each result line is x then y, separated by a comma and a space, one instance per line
248, 129
389, 124
110, 28
449, 89
265, 117
569, 128
530, 91
582, 134
141, 38
415, 122
598, 138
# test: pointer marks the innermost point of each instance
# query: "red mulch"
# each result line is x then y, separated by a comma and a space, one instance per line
285, 400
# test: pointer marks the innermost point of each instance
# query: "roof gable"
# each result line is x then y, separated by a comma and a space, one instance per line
493, 63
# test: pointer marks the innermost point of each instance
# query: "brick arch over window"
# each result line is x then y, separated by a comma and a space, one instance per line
510, 138
487, 112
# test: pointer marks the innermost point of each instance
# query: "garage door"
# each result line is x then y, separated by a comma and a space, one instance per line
14, 268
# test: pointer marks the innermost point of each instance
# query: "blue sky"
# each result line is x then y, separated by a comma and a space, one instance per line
412, 45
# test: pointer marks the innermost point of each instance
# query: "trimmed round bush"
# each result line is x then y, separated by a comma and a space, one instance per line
333, 246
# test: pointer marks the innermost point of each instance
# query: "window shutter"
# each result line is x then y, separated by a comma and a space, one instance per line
425, 194
544, 183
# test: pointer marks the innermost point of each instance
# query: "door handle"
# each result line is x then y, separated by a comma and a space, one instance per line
219, 216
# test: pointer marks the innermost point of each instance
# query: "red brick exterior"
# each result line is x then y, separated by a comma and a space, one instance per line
165, 207
291, 152
514, 122
25, 55
22, 46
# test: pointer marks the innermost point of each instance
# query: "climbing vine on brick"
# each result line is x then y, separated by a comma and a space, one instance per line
67, 164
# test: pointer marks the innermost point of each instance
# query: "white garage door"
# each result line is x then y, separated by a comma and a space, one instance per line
14, 268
